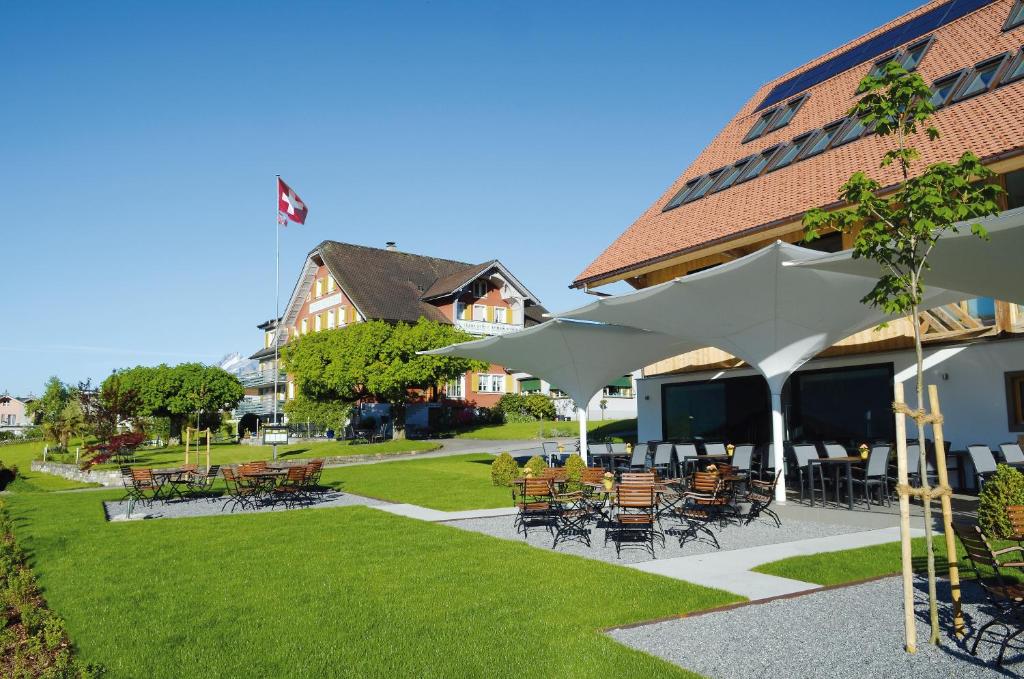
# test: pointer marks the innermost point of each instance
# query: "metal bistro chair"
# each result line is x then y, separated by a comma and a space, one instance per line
635, 515
143, 481
240, 494
760, 495
533, 499
1004, 594
294, 488
875, 475
984, 462
202, 481
702, 504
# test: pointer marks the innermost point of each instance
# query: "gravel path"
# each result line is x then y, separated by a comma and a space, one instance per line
760, 532
219, 506
853, 632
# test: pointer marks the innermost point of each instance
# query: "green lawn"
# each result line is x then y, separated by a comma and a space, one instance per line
21, 456
445, 483
333, 592
834, 568
540, 430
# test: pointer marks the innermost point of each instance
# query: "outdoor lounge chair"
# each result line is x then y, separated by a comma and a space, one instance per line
1005, 595
533, 498
875, 475
1012, 454
664, 459
984, 462
635, 516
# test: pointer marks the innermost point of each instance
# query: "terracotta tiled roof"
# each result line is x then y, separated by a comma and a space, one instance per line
990, 125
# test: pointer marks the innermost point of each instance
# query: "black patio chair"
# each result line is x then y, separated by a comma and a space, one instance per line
743, 458
635, 516
984, 462
1005, 595
714, 448
129, 485
875, 475
913, 468
572, 513
833, 449
201, 482
687, 458
804, 453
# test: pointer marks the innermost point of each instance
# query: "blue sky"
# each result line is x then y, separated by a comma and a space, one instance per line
140, 141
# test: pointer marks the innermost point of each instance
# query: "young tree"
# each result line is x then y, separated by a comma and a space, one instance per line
106, 408
57, 412
899, 226
375, 361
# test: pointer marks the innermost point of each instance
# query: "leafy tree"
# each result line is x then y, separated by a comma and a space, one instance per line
57, 412
373, 361
106, 408
898, 228
177, 392
332, 414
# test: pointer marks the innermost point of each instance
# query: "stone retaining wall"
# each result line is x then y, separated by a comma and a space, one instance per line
70, 471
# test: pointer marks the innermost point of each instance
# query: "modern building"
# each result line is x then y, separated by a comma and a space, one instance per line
342, 283
787, 150
13, 413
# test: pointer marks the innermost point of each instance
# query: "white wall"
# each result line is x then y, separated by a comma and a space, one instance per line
970, 378
617, 408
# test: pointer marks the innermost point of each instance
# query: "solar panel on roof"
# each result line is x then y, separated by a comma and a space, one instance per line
869, 49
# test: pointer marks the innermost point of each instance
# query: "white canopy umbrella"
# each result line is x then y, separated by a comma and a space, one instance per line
579, 357
773, 317
961, 261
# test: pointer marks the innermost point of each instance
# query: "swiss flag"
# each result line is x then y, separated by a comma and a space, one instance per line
290, 205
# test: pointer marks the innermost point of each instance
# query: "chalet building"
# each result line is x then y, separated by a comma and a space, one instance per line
342, 283
14, 413
788, 149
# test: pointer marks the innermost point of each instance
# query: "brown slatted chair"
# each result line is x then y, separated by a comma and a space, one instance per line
240, 493
556, 474
703, 503
315, 468
1005, 596
293, 489
533, 498
636, 509
143, 481
593, 475
1015, 513
642, 478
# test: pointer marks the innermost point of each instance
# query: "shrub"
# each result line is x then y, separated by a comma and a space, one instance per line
503, 470
518, 417
536, 464
1004, 488
7, 475
574, 466
539, 406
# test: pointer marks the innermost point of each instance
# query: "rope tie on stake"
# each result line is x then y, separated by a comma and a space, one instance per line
931, 493
919, 415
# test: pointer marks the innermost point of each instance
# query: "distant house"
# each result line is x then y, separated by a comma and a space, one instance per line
13, 413
342, 283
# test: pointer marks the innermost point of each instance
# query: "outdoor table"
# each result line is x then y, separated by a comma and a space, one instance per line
172, 476
848, 462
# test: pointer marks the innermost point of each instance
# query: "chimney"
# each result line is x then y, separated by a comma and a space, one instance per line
390, 246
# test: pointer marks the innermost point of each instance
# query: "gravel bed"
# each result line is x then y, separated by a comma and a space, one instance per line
219, 506
853, 632
733, 536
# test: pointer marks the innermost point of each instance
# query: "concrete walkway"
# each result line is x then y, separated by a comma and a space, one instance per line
436, 515
731, 570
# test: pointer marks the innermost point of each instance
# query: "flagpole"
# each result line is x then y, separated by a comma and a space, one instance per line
277, 294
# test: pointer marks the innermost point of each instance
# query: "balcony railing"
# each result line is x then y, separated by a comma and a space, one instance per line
485, 328
263, 405
259, 378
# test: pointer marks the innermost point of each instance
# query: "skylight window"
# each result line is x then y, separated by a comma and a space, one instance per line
756, 165
853, 130
702, 186
915, 53
943, 88
785, 114
760, 126
824, 138
879, 68
1016, 17
730, 175
1015, 71
791, 151
982, 78
677, 199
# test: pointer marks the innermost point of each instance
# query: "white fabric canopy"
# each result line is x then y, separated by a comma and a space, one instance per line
774, 317
964, 262
580, 358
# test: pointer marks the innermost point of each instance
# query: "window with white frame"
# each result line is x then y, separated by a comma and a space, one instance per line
480, 288
318, 323
330, 319
479, 312
500, 314
319, 287
305, 326
490, 384
454, 388
330, 283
